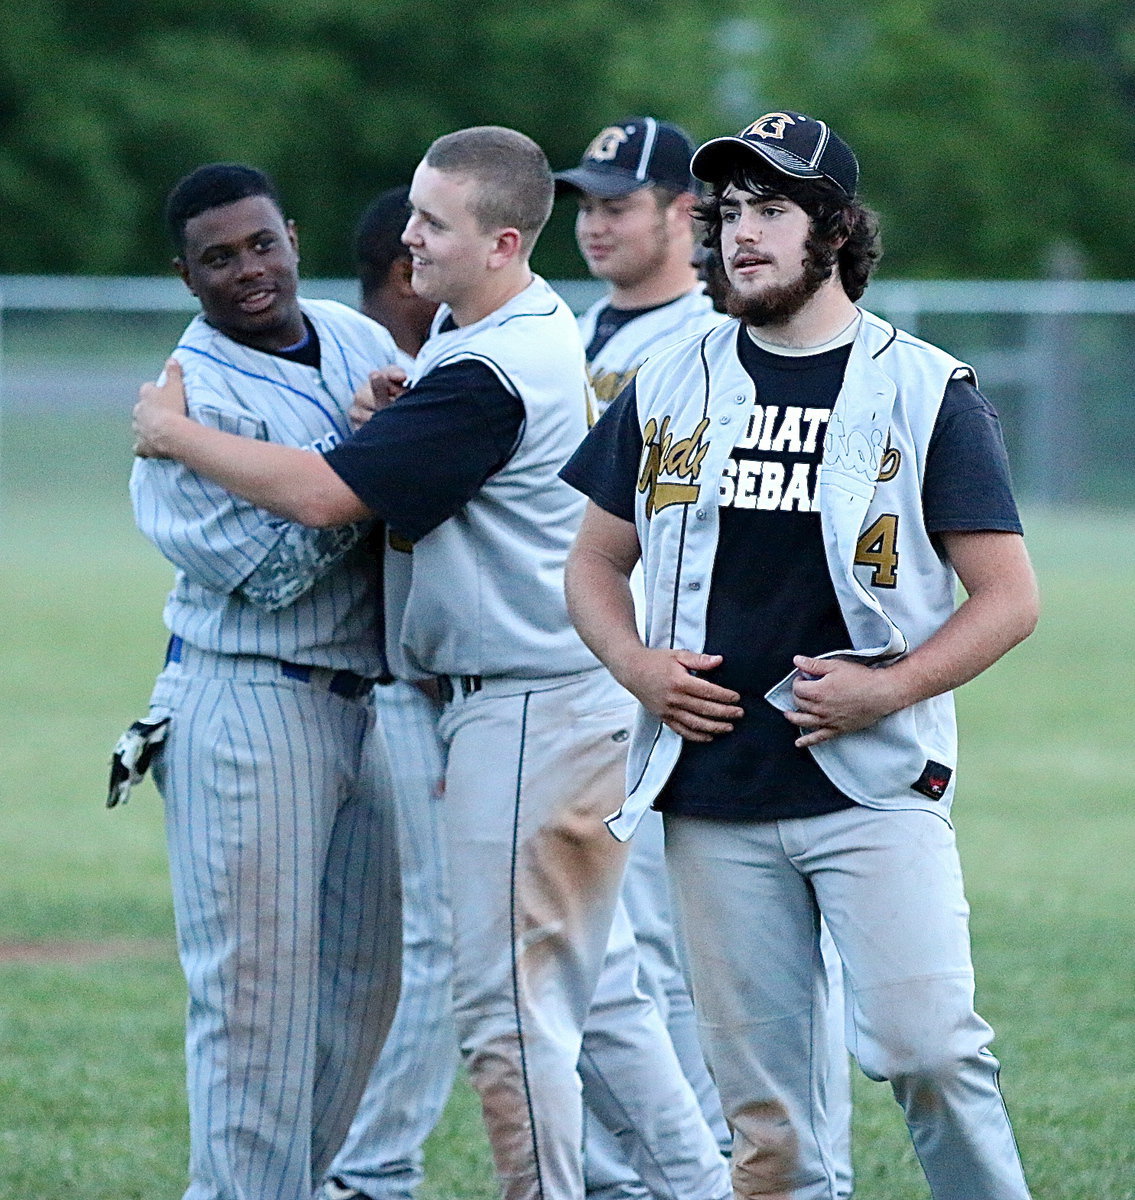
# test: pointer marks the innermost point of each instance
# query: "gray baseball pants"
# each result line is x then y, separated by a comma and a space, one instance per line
532, 769
889, 885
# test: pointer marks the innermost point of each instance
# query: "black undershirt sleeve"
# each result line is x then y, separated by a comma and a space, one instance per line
605, 467
420, 461
966, 486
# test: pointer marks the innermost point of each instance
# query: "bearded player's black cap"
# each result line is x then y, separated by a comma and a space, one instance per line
790, 143
636, 153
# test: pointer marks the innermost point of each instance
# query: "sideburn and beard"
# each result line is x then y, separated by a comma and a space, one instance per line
778, 304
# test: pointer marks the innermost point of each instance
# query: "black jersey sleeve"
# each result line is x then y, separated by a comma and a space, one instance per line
605, 467
418, 462
966, 486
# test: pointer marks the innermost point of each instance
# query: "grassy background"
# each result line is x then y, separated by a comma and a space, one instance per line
91, 1092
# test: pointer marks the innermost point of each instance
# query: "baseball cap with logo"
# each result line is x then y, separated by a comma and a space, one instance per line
791, 143
631, 155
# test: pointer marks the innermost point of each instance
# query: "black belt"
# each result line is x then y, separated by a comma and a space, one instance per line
448, 686
343, 683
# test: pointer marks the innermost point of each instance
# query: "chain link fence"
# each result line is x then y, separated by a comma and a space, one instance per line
1057, 358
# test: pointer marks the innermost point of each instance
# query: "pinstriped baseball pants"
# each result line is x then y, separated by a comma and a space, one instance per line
284, 866
411, 1081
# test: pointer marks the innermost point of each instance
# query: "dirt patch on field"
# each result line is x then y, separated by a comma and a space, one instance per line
77, 953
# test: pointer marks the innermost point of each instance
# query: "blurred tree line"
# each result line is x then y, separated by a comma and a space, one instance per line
987, 131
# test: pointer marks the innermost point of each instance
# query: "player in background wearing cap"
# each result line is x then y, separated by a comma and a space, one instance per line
282, 836
797, 726
381, 1158
635, 229
464, 465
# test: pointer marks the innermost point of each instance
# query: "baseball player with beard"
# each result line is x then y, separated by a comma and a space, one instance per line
805, 485
463, 468
282, 839
635, 229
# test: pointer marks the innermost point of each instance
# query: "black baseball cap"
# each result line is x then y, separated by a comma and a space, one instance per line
634, 154
791, 143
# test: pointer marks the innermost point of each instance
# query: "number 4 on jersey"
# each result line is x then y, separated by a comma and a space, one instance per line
876, 548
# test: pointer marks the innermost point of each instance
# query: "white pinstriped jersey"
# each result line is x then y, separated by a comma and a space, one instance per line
615, 365
249, 582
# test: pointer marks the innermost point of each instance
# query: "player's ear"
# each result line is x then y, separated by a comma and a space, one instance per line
293, 235
183, 271
843, 229
684, 203
507, 246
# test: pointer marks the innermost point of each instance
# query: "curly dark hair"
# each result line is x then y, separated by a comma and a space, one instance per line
832, 216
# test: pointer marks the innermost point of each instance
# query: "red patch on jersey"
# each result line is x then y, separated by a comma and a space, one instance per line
934, 780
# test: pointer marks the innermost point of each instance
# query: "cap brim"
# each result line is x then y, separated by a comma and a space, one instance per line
716, 159
607, 184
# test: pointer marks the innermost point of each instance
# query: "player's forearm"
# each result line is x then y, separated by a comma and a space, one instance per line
292, 483
601, 607
297, 561
984, 628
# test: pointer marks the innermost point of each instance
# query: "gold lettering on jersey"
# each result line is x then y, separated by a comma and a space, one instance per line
605, 145
771, 125
662, 455
590, 405
877, 548
608, 384
889, 464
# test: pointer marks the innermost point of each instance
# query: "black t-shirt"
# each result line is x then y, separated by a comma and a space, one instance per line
420, 461
771, 595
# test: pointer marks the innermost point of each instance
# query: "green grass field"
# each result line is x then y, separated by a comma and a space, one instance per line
91, 1092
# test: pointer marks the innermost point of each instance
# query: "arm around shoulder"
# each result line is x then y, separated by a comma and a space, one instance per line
292, 483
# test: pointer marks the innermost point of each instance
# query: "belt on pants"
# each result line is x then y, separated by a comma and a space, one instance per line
347, 684
449, 685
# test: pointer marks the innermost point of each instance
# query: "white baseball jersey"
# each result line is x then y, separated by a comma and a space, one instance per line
620, 357
889, 377
465, 613
249, 582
